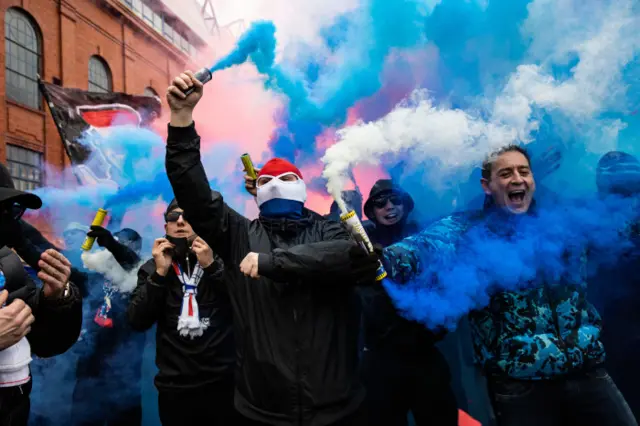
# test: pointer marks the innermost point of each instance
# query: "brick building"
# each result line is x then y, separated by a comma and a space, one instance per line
131, 46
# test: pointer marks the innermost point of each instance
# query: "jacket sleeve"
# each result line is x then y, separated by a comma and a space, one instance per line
58, 323
148, 298
206, 211
404, 260
32, 244
214, 274
326, 260
126, 257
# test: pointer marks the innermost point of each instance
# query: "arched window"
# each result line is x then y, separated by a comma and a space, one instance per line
99, 75
23, 58
148, 91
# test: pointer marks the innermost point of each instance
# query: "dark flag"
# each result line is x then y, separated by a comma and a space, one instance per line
84, 118
79, 115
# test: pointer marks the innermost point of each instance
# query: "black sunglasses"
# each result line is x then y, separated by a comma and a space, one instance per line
172, 216
15, 211
396, 200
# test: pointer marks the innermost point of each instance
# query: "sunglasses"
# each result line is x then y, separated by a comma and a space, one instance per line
15, 211
172, 216
396, 200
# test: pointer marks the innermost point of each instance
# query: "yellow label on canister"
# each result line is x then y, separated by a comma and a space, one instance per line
248, 166
347, 216
98, 220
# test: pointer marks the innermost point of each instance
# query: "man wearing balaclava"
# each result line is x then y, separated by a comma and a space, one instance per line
615, 289
44, 322
291, 278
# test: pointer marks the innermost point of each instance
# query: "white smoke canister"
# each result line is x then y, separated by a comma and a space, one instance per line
354, 226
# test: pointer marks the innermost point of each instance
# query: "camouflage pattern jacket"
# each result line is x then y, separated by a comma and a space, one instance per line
545, 330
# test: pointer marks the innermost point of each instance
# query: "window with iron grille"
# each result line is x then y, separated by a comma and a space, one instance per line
25, 167
99, 76
23, 58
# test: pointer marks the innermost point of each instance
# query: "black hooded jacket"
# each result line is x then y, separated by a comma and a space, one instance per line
297, 325
385, 328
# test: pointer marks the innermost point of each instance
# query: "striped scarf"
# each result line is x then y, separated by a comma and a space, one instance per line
189, 323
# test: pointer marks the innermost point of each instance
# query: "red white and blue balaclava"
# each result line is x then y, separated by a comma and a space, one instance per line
278, 198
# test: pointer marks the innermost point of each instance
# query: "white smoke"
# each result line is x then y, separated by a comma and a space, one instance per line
420, 130
103, 262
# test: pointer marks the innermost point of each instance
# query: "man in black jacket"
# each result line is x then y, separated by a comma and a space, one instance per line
296, 310
57, 307
402, 368
180, 290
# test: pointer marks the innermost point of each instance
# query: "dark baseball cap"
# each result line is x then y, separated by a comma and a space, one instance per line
9, 193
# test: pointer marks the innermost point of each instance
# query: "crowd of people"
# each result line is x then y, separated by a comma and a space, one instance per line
280, 321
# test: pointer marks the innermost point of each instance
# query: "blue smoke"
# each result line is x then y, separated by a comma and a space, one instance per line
462, 270
360, 43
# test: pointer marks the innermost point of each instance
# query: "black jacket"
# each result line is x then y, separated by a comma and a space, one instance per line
297, 326
184, 363
385, 328
58, 322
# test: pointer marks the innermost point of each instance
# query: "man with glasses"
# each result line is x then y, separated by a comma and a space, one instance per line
402, 368
57, 306
180, 290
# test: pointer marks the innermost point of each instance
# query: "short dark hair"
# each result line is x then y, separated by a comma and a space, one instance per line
487, 164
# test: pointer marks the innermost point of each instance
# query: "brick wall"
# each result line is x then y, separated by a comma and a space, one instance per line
71, 32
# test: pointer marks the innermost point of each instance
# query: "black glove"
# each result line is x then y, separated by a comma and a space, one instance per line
364, 265
103, 237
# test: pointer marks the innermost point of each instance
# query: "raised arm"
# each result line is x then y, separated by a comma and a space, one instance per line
205, 210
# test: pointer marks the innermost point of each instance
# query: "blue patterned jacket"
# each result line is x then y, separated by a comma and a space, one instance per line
544, 330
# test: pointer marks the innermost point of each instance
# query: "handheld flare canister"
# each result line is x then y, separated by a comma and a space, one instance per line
98, 220
248, 166
357, 230
204, 76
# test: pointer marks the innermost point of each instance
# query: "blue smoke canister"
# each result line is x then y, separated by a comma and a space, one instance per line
203, 76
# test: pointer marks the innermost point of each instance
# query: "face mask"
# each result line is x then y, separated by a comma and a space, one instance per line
279, 189
181, 246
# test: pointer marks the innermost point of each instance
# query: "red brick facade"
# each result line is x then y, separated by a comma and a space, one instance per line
71, 32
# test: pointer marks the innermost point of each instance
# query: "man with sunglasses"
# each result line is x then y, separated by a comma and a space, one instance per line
402, 368
180, 290
57, 307
292, 278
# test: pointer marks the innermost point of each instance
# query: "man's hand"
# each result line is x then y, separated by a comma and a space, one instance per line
250, 184
203, 252
15, 321
249, 265
180, 104
102, 236
161, 253
55, 270
364, 265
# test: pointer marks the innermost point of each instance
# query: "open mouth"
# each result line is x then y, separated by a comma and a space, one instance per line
391, 216
517, 196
